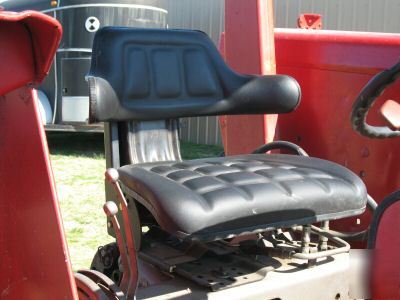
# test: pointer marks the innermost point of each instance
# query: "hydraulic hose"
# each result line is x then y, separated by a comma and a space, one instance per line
376, 218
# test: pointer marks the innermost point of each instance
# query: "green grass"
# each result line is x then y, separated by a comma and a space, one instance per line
78, 165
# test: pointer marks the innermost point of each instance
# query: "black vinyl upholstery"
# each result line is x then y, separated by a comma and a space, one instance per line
156, 74
216, 198
142, 80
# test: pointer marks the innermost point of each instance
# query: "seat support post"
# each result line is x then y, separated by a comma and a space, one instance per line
305, 240
323, 241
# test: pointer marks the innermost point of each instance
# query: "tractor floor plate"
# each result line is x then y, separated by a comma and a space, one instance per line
215, 265
222, 272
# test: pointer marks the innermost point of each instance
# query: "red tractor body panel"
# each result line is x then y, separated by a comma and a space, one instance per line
332, 67
385, 271
34, 256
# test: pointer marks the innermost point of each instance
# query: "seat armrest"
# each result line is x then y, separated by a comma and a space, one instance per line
274, 94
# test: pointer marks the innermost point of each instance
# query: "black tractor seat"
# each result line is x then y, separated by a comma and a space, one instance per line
143, 80
217, 198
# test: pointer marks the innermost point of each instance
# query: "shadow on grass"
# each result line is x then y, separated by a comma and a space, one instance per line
76, 144
92, 145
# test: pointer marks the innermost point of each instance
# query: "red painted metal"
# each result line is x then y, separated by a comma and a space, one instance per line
249, 48
309, 21
42, 36
34, 256
221, 45
386, 268
332, 67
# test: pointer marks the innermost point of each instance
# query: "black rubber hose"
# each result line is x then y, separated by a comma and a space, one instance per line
281, 145
350, 236
376, 218
365, 100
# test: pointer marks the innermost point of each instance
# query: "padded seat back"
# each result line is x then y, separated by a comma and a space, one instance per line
158, 74
142, 80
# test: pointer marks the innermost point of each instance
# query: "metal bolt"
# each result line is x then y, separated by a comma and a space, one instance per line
364, 152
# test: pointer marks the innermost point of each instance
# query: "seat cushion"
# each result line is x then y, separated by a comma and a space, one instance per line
215, 198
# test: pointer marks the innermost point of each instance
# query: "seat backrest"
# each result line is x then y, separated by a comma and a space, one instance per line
158, 74
140, 75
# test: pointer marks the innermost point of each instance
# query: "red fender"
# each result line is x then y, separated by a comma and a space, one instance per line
35, 262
